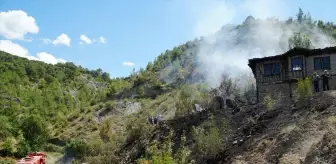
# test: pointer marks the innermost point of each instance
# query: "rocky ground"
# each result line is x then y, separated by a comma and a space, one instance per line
285, 134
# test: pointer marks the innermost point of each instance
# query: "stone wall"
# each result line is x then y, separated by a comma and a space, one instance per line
274, 90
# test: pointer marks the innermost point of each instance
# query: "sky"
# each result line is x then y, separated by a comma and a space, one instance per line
119, 35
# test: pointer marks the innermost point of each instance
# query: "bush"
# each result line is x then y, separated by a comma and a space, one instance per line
158, 153
23, 147
76, 147
8, 146
183, 152
137, 127
7, 161
105, 131
227, 88
207, 143
187, 97
304, 90
101, 152
53, 148
269, 102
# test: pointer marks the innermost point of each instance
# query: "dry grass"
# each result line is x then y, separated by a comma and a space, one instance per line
291, 159
288, 129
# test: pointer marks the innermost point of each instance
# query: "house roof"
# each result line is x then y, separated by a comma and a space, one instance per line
292, 52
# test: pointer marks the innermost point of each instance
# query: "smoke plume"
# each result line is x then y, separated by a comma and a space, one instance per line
226, 48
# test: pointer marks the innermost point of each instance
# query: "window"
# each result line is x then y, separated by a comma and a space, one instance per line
322, 63
297, 63
271, 69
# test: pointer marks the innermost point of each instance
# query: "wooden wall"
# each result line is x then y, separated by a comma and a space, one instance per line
260, 78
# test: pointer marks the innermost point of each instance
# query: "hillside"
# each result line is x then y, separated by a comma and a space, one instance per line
84, 115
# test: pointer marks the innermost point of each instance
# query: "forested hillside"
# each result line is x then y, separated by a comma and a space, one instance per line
84, 114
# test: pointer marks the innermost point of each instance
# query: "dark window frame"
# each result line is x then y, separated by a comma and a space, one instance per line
272, 69
296, 61
323, 62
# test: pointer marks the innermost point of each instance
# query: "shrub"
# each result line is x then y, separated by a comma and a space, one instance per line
53, 148
304, 90
76, 147
105, 130
8, 146
187, 97
35, 131
137, 127
227, 88
207, 143
159, 153
269, 102
183, 152
7, 161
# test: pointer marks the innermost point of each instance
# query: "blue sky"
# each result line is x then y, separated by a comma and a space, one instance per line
134, 31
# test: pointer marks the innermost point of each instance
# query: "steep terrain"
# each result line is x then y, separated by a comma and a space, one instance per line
88, 117
258, 134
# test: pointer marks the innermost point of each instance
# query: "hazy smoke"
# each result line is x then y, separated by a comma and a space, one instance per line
226, 48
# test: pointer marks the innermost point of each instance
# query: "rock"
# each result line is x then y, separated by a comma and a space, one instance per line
230, 103
198, 108
235, 110
235, 142
216, 103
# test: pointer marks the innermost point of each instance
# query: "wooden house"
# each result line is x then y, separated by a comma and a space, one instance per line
279, 74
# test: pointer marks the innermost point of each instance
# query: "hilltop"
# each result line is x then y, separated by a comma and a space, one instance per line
87, 116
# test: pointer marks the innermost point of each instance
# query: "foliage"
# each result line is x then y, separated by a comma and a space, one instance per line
187, 97
76, 147
7, 161
209, 136
183, 152
227, 88
137, 127
105, 131
8, 146
31, 91
269, 102
102, 152
6, 128
299, 41
207, 143
158, 153
35, 132
249, 91
304, 90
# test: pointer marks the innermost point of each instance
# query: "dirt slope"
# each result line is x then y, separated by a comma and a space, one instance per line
285, 135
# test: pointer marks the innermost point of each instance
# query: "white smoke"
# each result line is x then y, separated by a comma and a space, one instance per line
226, 49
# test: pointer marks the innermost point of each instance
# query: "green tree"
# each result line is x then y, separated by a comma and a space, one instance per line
299, 41
35, 131
299, 16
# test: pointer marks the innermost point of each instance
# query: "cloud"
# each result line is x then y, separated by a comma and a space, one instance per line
102, 39
16, 49
15, 24
48, 58
46, 41
62, 39
128, 63
85, 39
